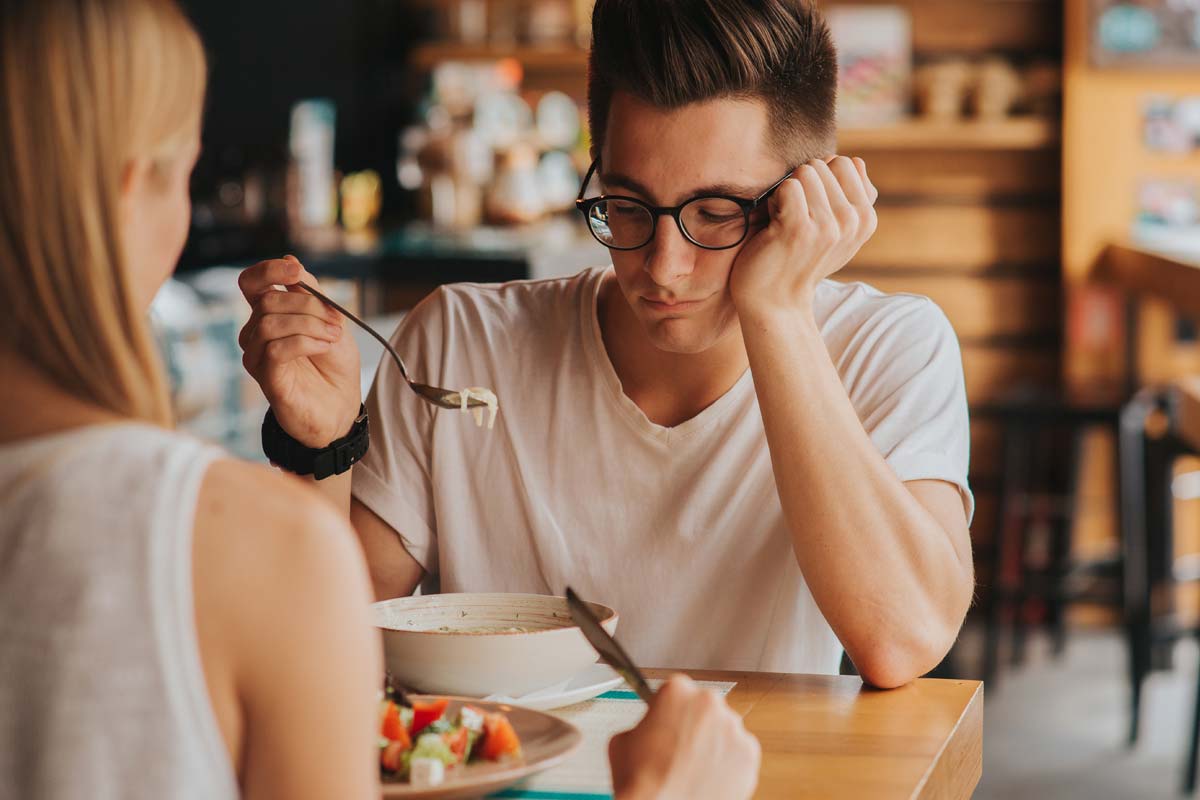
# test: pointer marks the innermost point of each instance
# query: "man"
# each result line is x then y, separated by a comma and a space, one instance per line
756, 465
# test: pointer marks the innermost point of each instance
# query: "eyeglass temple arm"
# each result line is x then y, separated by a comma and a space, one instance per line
586, 180
758, 200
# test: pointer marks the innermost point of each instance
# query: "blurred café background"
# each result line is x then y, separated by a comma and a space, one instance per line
1039, 165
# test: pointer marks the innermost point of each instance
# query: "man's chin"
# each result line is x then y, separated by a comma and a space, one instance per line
680, 336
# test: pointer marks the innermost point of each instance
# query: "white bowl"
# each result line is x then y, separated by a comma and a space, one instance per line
476, 645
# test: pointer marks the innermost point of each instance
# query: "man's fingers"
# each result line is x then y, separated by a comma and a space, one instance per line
815, 193
846, 216
872, 192
304, 275
282, 326
260, 333
246, 334
278, 352
265, 275
788, 201
833, 189
252, 349
848, 177
295, 303
277, 303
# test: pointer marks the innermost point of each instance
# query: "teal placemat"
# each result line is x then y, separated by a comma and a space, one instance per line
585, 775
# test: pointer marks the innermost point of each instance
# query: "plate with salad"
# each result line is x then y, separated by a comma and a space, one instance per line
445, 748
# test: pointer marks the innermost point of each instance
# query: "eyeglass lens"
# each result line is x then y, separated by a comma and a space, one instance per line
709, 221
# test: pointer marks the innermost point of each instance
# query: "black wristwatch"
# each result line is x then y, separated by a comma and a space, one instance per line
336, 458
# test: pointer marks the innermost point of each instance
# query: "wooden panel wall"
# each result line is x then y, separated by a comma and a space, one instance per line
962, 235
977, 230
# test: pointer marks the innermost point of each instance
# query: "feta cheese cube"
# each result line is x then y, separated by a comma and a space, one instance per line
426, 772
471, 719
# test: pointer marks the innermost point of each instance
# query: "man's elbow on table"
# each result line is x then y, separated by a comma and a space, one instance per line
891, 663
901, 652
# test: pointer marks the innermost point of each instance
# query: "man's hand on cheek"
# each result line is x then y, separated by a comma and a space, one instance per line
819, 219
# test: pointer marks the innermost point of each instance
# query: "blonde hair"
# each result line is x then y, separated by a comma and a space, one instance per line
86, 86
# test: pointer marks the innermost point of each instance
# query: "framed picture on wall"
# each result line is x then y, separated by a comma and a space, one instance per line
874, 63
1145, 33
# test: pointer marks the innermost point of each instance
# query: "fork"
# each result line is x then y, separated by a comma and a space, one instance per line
443, 398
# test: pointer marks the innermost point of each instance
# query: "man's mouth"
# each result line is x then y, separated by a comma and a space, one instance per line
659, 303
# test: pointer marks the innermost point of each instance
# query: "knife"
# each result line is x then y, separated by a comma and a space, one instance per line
610, 650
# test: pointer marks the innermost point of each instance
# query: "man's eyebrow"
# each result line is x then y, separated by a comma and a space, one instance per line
621, 181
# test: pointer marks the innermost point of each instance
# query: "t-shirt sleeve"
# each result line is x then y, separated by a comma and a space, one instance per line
911, 396
394, 478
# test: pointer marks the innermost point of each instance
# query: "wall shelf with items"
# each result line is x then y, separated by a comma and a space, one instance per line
555, 57
1013, 133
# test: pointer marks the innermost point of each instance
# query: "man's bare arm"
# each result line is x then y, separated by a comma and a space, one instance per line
888, 564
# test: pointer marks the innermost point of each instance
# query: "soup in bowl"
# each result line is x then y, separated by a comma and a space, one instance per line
476, 645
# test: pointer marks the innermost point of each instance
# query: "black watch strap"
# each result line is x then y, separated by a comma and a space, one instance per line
321, 463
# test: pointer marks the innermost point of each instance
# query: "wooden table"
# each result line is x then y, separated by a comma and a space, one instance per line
826, 736
1187, 411
1174, 278
1137, 270
1141, 273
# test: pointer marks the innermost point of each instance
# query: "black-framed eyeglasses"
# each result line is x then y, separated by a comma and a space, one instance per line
713, 222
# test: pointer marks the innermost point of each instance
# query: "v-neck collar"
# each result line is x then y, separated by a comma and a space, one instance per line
593, 340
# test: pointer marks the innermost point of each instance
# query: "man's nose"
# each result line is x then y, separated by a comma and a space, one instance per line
669, 255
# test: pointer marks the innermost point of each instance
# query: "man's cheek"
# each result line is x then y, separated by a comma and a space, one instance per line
626, 269
717, 270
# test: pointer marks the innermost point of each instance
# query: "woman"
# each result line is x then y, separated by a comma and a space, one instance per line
174, 623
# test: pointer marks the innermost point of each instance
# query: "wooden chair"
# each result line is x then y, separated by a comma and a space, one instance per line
1032, 569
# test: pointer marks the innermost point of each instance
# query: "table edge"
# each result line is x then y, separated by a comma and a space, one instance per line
935, 763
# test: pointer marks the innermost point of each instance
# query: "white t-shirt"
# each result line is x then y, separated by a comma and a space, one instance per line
680, 529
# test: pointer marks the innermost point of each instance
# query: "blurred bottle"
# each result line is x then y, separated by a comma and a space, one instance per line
558, 181
504, 22
311, 145
583, 22
361, 194
515, 196
470, 21
550, 22
454, 166
409, 144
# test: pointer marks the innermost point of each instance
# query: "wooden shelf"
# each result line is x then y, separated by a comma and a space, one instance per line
552, 57
1017, 133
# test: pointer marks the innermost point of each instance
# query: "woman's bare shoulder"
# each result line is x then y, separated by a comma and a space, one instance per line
254, 497
283, 612
269, 538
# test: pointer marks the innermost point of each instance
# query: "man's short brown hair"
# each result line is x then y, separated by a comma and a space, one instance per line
671, 53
